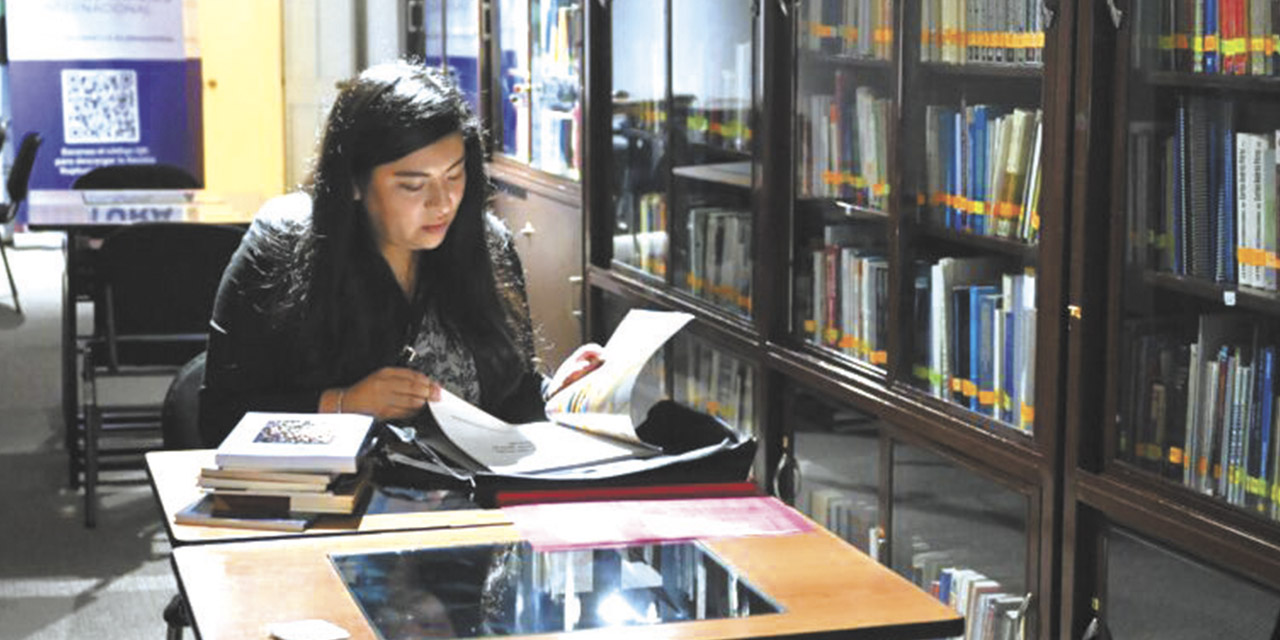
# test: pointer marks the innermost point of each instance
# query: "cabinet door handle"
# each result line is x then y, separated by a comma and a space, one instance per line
527, 230
782, 6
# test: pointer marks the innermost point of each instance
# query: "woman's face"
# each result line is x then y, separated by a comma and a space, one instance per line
413, 200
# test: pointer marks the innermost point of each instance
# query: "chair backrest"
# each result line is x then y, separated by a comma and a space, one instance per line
20, 174
137, 176
180, 414
159, 279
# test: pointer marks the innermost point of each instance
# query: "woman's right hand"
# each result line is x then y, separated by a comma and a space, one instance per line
390, 393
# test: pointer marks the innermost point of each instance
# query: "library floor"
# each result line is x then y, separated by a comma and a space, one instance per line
57, 578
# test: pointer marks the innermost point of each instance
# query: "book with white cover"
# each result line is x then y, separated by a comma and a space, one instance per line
326, 442
590, 420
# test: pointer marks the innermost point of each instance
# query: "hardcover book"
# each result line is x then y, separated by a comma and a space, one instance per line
328, 442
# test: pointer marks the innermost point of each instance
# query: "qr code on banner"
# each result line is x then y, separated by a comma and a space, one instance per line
100, 106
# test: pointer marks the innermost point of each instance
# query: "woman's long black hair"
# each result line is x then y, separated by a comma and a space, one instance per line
385, 113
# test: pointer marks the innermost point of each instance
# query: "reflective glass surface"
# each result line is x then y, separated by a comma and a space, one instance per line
712, 380
956, 534
639, 135
837, 449
1155, 593
556, 126
433, 24
712, 118
1195, 394
973, 140
844, 120
510, 589
513, 77
462, 47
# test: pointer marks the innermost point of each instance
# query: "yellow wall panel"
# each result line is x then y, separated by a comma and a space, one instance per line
242, 60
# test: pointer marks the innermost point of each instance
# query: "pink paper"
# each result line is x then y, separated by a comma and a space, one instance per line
592, 524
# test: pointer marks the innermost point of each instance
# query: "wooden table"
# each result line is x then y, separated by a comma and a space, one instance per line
87, 216
173, 476
825, 587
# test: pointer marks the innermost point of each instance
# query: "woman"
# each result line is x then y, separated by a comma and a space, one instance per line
384, 278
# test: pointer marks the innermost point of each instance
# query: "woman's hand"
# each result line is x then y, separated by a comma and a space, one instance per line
389, 393
582, 361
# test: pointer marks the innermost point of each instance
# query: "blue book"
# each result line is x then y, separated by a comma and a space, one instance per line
957, 173
978, 167
1210, 29
946, 138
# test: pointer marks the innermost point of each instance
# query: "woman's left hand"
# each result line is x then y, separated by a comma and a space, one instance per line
582, 361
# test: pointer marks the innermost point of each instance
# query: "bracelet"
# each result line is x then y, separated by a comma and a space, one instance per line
341, 392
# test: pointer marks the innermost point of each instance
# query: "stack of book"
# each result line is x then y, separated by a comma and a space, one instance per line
280, 471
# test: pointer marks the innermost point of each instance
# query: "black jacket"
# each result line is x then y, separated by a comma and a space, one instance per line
255, 366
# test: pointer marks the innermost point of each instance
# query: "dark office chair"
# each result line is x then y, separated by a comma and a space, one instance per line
180, 428
155, 285
19, 177
137, 176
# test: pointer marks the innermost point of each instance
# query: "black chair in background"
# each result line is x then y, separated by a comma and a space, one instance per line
137, 176
17, 186
155, 285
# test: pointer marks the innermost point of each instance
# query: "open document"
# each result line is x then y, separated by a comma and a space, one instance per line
590, 420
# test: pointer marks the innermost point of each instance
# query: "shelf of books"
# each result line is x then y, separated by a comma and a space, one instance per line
538, 114
975, 139
1190, 423
843, 138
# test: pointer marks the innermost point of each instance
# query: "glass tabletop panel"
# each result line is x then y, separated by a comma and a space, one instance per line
843, 132
974, 138
713, 117
1195, 391
511, 589
555, 110
462, 48
513, 76
639, 136
960, 537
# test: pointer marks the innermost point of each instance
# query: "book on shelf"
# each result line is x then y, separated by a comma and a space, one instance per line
981, 31
1216, 189
976, 337
844, 153
861, 29
720, 256
1224, 37
844, 305
1199, 405
715, 382
589, 421
312, 442
982, 169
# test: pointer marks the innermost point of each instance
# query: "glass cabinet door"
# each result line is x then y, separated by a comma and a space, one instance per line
540, 83
1195, 392
837, 453
513, 77
462, 47
972, 121
962, 538
843, 136
639, 136
712, 113
555, 109
433, 27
